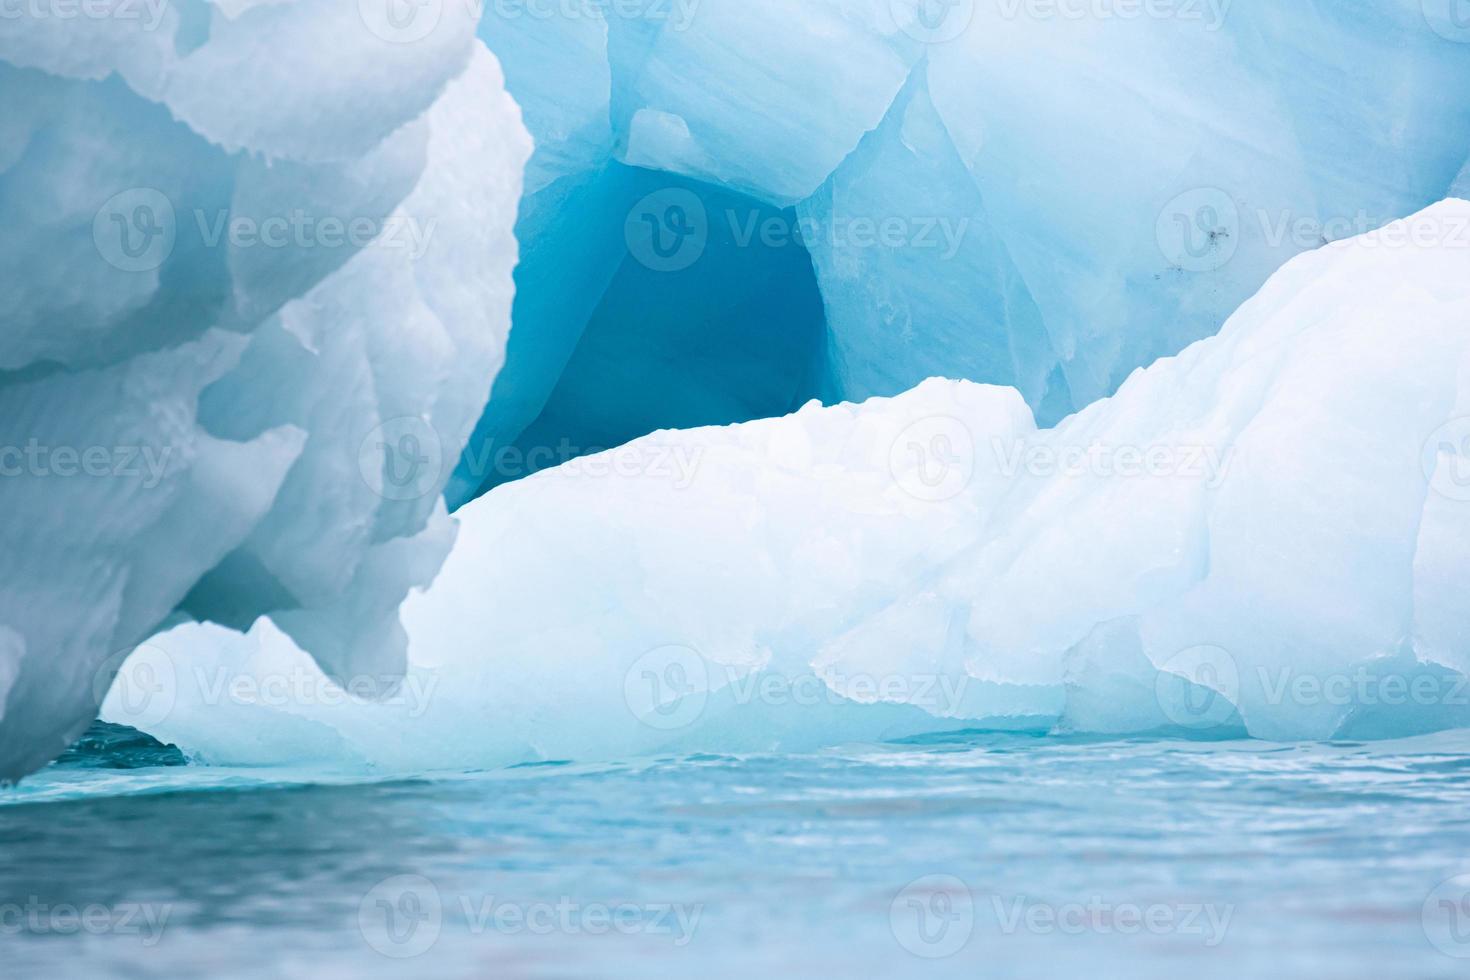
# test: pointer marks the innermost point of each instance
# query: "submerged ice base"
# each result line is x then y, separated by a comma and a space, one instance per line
1264, 535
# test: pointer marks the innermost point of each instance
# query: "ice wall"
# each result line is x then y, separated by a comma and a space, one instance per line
252, 251
1041, 195
1264, 535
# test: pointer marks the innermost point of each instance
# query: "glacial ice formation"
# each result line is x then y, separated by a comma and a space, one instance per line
1046, 196
731, 208
224, 297
1266, 534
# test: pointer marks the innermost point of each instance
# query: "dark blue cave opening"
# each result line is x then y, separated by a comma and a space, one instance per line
645, 301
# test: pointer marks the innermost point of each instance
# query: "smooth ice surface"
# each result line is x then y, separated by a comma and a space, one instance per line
1259, 536
225, 298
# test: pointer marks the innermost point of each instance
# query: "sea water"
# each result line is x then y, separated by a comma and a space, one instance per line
974, 855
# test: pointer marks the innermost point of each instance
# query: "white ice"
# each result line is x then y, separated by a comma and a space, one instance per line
1264, 535
249, 249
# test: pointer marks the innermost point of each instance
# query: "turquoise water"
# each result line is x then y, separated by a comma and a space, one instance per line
974, 855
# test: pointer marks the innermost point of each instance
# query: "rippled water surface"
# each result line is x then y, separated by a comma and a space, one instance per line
976, 855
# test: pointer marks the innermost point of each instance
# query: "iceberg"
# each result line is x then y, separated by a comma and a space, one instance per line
1263, 535
261, 334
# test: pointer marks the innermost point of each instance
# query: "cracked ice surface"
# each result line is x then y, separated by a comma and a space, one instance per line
1282, 501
